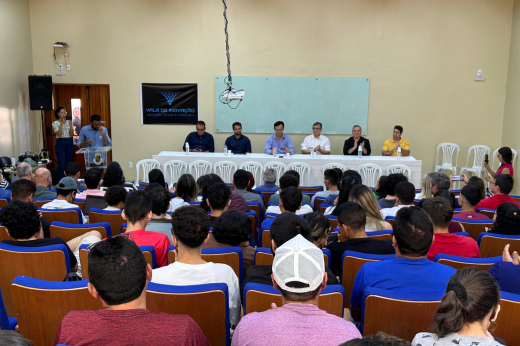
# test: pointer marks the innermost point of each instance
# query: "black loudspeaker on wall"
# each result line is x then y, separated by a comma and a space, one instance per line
40, 92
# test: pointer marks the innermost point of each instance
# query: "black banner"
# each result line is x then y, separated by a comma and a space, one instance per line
169, 103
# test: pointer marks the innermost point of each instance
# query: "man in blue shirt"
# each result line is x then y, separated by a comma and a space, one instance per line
94, 135
410, 269
279, 140
238, 143
507, 272
200, 140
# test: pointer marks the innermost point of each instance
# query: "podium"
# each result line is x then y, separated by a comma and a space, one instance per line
95, 157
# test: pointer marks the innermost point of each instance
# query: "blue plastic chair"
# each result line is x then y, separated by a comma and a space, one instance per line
324, 205
317, 202
194, 203
263, 250
494, 235
43, 199
260, 216
151, 250
465, 234
86, 227
77, 210
6, 323
389, 218
458, 262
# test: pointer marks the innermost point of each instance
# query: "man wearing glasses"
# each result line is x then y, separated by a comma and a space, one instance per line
316, 142
279, 141
200, 140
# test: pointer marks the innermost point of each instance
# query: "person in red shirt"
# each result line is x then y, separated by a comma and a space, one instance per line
440, 212
501, 186
470, 196
137, 213
118, 275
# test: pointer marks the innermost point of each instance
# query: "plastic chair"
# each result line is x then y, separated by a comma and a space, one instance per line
322, 207
258, 298
263, 256
507, 326
113, 217
149, 255
255, 206
147, 165
448, 149
278, 167
402, 169
207, 304
333, 220
232, 256
6, 323
317, 202
173, 170
474, 227
80, 203
303, 169
4, 201
266, 195
463, 262
381, 235
254, 168
333, 165
492, 244
225, 170
199, 168
488, 212
479, 152
72, 215
39, 202
68, 231
370, 173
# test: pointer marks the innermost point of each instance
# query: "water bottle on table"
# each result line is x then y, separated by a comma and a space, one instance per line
225, 150
313, 153
275, 149
187, 147
398, 153
359, 151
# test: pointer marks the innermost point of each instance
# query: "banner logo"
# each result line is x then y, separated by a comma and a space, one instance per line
169, 96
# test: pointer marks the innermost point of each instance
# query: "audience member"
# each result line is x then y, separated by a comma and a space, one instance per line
507, 272
351, 224
380, 339
114, 176
232, 228
413, 236
391, 181
505, 157
251, 184
438, 182
73, 170
346, 186
454, 226
42, 178
289, 202
506, 220
160, 221
404, 195
93, 182
380, 191
299, 274
137, 213
218, 200
440, 212
24, 171
241, 181
269, 177
13, 338
425, 187
348, 173
477, 182
4, 183
275, 198
501, 186
190, 229
362, 195
118, 277
205, 181
115, 196
24, 190
320, 228
186, 191
470, 196
156, 176
330, 180
470, 305
66, 193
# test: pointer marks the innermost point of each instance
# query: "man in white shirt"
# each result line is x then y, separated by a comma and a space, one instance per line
404, 195
66, 191
190, 228
316, 142
291, 201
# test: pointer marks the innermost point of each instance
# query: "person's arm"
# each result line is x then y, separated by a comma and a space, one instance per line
491, 172
305, 147
83, 141
248, 146
106, 139
405, 150
357, 295
346, 146
290, 145
268, 148
366, 147
71, 129
386, 150
57, 128
325, 150
211, 144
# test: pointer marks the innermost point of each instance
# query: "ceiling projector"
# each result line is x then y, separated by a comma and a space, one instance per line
232, 95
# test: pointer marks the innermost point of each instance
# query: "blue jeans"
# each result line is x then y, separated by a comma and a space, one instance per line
64, 150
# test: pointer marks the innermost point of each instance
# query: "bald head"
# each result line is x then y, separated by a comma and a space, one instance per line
42, 177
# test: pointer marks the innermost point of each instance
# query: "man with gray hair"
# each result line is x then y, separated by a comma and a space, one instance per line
42, 178
438, 182
269, 178
316, 142
24, 171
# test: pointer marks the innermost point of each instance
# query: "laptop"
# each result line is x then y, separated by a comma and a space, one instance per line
94, 202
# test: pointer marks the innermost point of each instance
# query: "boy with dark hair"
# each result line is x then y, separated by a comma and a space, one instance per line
330, 179
404, 195
93, 182
218, 200
115, 196
351, 224
292, 202
500, 188
344, 175
241, 181
118, 277
73, 170
137, 213
160, 221
66, 193
190, 230
391, 181
469, 197
286, 180
24, 190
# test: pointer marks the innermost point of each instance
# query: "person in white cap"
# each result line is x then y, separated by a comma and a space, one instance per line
299, 274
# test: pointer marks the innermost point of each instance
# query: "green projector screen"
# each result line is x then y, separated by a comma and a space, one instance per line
338, 103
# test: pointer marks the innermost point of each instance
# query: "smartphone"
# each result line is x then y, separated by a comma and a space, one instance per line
486, 159
457, 178
332, 238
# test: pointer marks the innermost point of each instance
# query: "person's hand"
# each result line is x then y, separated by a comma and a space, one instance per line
336, 200
101, 130
451, 179
486, 229
90, 141
464, 178
273, 306
172, 189
506, 256
397, 144
317, 148
488, 178
286, 150
363, 144
486, 164
355, 142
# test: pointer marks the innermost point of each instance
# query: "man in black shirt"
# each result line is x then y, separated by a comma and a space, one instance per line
218, 201
351, 223
352, 144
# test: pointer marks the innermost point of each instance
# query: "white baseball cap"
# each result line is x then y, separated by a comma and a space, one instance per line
298, 260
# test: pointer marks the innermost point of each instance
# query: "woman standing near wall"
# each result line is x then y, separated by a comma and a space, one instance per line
64, 132
505, 156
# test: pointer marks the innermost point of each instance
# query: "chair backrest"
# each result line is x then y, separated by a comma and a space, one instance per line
479, 152
225, 170
198, 168
403, 169
80, 203
463, 262
232, 256
351, 262
447, 150
254, 221
333, 221
258, 298
490, 213
4, 202
474, 228
256, 169
63, 215
416, 311
255, 206
149, 255
207, 304
114, 218
278, 167
146, 165
333, 165
507, 323
3, 234
41, 305
370, 173
267, 195
317, 201
68, 231
322, 207
263, 256
173, 170
39, 202
303, 169
45, 263
381, 235
492, 245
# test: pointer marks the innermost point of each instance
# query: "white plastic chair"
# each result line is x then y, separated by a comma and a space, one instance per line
370, 173
479, 152
173, 170
147, 165
303, 169
279, 168
448, 149
199, 167
403, 169
256, 169
495, 152
225, 170
334, 165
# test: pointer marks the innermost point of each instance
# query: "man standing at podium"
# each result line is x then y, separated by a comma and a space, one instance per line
94, 135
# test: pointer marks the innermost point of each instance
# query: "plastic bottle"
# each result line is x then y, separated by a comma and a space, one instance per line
274, 151
225, 150
187, 147
313, 153
398, 153
359, 152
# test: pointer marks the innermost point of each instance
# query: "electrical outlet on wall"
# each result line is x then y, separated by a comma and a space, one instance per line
60, 67
68, 67
129, 164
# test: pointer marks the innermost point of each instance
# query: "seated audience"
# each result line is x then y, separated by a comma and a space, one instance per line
454, 226
275, 198
42, 178
404, 194
156, 176
66, 193
425, 187
186, 191
24, 171
380, 191
506, 220
413, 236
13, 338
93, 182
299, 274
251, 184
73, 170
241, 181
348, 173
320, 228
118, 277
4, 183
205, 181
232, 228
500, 188
190, 229
470, 196
22, 221
438, 182
346, 186
362, 195
351, 224
290, 202
115, 196
391, 181
218, 200
470, 305
380, 339
440, 212
114, 176
137, 213
269, 178
507, 272
24, 190
330, 180
160, 221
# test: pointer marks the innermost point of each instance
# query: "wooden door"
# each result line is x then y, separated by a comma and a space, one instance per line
94, 99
